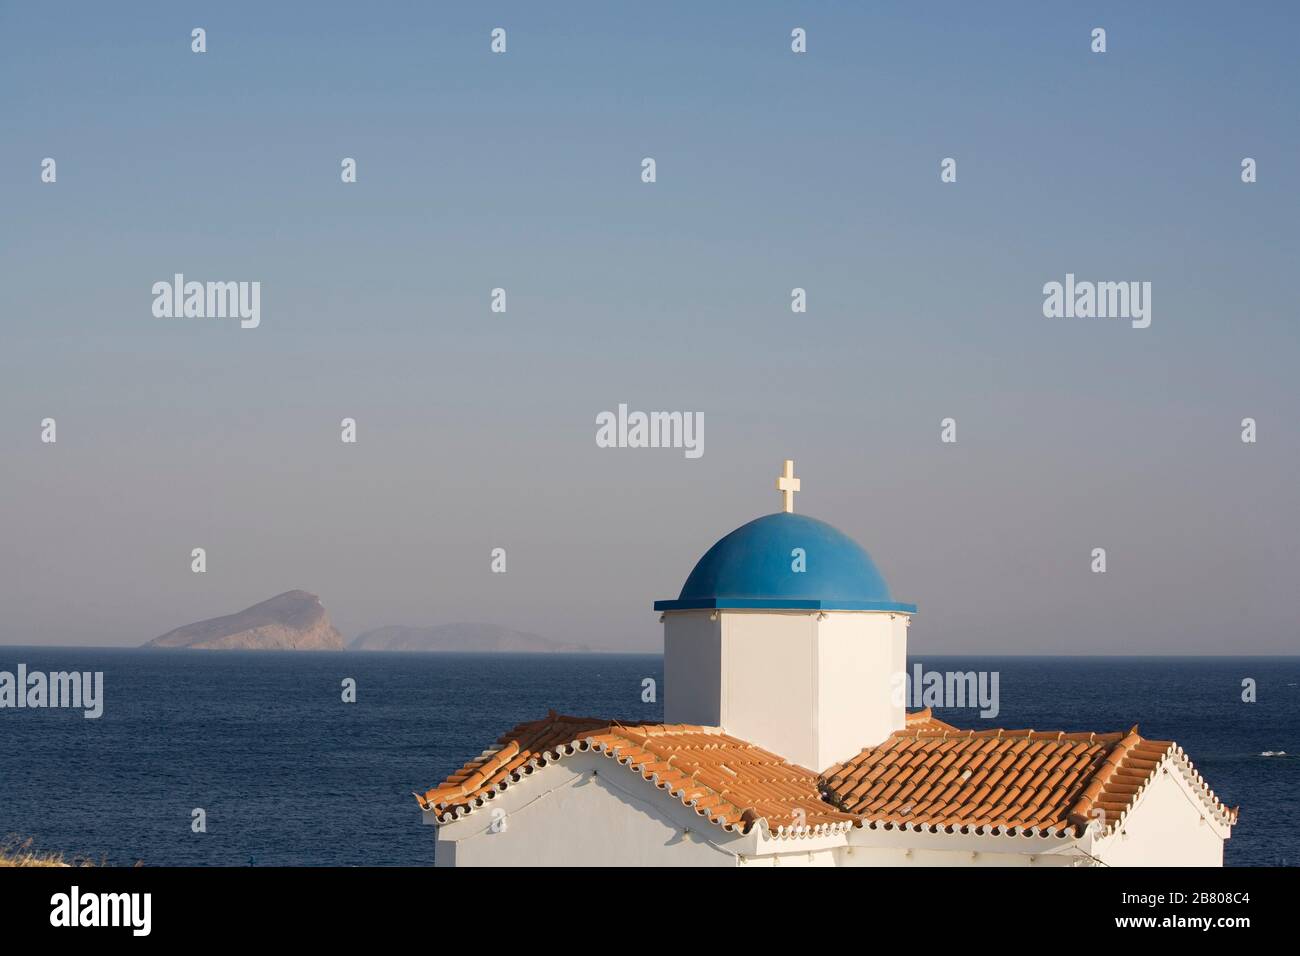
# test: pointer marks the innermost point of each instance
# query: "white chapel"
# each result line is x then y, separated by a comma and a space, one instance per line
784, 743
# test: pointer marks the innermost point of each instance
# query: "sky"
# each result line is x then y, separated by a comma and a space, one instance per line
774, 171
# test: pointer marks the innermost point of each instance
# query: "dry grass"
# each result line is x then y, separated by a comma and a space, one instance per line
14, 853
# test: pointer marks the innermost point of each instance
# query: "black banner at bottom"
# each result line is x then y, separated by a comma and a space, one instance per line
85, 905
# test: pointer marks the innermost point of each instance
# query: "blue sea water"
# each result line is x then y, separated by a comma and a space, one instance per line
288, 774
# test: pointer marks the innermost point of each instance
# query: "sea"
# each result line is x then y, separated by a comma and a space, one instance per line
289, 774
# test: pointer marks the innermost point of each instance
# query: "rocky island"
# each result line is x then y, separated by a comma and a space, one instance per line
292, 621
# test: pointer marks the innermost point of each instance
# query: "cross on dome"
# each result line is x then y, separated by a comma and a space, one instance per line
787, 484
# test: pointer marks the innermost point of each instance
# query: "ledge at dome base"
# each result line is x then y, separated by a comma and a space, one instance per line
762, 604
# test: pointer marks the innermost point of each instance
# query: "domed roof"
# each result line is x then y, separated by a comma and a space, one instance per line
753, 567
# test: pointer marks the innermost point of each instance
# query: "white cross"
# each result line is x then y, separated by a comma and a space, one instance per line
788, 484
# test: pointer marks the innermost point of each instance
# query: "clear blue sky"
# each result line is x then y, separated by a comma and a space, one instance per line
774, 171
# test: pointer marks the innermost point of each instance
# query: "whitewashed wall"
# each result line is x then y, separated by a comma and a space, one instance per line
880, 847
585, 810
858, 653
692, 690
816, 691
1167, 827
769, 682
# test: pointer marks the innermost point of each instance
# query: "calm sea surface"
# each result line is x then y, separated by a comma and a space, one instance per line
290, 775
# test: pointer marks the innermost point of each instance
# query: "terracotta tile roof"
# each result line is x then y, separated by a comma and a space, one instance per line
1012, 781
928, 776
731, 782
1129, 769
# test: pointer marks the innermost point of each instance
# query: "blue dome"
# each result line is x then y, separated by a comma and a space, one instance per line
753, 568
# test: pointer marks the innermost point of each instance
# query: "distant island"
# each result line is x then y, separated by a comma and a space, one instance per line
451, 638
296, 621
292, 621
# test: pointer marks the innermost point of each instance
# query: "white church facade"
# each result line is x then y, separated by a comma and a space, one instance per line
786, 743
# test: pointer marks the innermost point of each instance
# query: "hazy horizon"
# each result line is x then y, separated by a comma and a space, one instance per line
477, 430
912, 655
